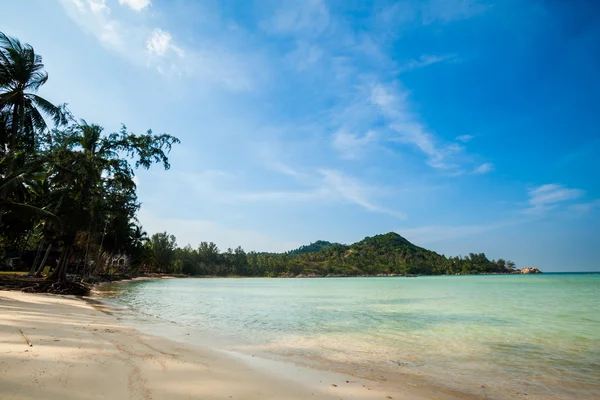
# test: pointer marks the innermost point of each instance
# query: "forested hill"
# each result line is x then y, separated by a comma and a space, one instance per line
389, 253
312, 248
385, 254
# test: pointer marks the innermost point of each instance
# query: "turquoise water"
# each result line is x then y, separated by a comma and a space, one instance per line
496, 336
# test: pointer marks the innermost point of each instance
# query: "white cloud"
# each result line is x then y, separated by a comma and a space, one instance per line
484, 168
98, 6
584, 208
547, 197
79, 4
330, 186
161, 42
350, 145
137, 5
394, 106
285, 169
211, 60
93, 16
465, 138
426, 60
270, 153
354, 191
308, 17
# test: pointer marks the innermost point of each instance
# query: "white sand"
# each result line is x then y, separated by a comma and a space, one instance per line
80, 352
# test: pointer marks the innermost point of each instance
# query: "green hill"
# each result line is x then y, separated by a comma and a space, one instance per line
384, 254
387, 254
312, 248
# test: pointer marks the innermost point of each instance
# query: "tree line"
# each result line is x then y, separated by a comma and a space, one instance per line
387, 254
67, 188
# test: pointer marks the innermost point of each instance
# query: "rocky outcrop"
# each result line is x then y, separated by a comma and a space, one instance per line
530, 270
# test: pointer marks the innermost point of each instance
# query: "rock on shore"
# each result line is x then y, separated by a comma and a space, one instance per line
530, 270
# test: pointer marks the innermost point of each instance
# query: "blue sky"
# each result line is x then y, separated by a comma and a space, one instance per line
463, 125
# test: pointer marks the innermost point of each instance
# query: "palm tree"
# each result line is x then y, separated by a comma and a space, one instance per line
139, 237
21, 76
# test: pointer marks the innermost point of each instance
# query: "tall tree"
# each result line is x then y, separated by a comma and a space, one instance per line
97, 172
21, 75
163, 251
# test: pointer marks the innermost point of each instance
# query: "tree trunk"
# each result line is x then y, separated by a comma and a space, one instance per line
46, 229
86, 269
34, 265
11, 160
60, 273
40, 269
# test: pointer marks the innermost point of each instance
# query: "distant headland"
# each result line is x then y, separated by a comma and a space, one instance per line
381, 255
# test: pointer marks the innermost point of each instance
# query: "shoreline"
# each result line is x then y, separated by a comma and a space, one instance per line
80, 350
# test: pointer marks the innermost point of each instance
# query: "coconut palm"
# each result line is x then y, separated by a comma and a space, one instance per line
21, 109
21, 75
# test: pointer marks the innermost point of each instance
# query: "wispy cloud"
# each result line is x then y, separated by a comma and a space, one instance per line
98, 6
439, 233
584, 208
465, 138
93, 16
323, 186
393, 104
547, 197
428, 12
211, 60
285, 169
426, 60
269, 155
484, 169
334, 186
350, 145
137, 5
354, 192
304, 55
160, 43
309, 18
450, 10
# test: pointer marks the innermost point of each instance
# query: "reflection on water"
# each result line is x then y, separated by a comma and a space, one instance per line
499, 335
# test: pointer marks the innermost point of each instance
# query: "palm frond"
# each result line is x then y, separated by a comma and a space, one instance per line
55, 112
14, 206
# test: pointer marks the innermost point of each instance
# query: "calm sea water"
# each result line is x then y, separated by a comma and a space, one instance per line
535, 336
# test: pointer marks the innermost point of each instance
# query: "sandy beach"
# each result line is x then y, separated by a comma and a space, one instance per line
80, 351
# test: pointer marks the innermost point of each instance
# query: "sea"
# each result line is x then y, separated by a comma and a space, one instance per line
493, 336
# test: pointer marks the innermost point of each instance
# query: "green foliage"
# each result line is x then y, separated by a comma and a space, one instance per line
70, 188
381, 254
312, 248
162, 252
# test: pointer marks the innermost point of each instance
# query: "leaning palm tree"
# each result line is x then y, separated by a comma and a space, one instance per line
21, 109
21, 75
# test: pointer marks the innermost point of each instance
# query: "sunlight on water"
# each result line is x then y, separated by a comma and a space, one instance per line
512, 334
